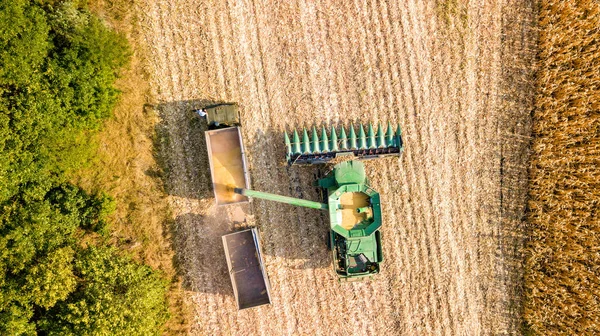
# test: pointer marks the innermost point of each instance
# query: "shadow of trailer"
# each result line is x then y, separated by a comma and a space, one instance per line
251, 286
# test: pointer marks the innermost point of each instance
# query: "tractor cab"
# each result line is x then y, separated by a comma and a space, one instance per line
222, 116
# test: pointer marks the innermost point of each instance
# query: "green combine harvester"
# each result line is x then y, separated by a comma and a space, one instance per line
354, 207
354, 217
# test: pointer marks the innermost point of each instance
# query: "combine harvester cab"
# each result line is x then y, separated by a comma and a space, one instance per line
226, 153
323, 148
354, 217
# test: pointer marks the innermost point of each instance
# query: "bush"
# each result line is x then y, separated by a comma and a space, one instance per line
115, 296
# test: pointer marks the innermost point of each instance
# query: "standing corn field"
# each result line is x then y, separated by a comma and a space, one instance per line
563, 263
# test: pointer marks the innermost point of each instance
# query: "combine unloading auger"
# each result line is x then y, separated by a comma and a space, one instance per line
302, 149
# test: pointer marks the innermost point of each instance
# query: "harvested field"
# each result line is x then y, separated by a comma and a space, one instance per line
456, 75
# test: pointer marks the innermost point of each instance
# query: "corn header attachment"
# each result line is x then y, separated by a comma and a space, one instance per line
315, 149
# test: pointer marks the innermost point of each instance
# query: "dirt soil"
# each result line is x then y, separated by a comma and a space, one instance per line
455, 74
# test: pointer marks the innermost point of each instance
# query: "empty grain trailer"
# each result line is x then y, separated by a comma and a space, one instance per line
245, 265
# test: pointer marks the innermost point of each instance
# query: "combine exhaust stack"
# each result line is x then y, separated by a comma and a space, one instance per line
302, 149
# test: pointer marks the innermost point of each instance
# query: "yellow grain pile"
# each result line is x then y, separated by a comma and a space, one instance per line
350, 202
228, 169
227, 175
562, 279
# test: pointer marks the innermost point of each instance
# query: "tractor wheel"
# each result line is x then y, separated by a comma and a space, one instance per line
323, 194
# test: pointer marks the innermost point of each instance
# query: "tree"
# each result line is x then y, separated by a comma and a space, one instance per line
57, 69
115, 296
38, 241
58, 64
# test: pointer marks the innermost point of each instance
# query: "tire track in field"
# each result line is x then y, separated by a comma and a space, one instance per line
294, 230
420, 109
369, 98
481, 146
464, 256
429, 250
381, 115
258, 119
448, 58
299, 236
394, 219
293, 238
411, 212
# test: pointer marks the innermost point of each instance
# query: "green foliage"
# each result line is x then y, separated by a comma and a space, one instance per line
82, 47
51, 278
74, 290
58, 64
37, 247
115, 296
24, 41
14, 320
92, 209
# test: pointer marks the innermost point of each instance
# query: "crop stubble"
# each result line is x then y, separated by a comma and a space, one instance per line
455, 75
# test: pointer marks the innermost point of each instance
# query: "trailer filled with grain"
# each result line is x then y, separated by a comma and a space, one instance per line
226, 153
